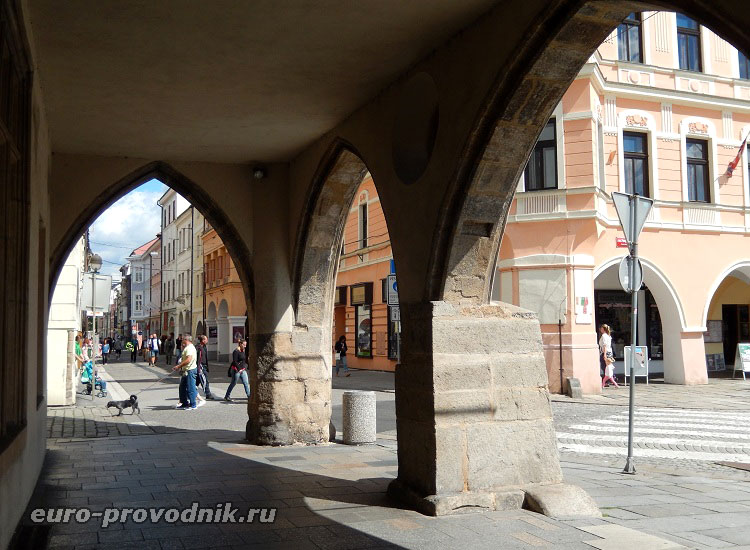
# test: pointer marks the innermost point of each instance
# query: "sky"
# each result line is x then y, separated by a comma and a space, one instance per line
130, 222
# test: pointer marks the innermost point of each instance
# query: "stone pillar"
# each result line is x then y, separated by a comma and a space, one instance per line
473, 411
224, 339
72, 370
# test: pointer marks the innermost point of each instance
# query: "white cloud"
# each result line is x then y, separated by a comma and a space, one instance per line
131, 221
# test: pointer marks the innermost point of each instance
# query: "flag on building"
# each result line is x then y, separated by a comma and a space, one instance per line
736, 161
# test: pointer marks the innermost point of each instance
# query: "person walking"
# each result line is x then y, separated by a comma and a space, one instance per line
238, 370
203, 366
132, 346
153, 347
341, 348
188, 366
117, 345
105, 351
169, 347
606, 357
178, 347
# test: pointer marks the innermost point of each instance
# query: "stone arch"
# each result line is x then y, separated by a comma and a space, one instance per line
523, 96
181, 324
671, 311
211, 314
189, 189
199, 328
223, 309
319, 236
741, 270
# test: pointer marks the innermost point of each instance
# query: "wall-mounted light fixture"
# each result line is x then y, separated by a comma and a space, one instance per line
259, 173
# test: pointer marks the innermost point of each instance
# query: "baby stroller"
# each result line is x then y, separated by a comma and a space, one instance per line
92, 382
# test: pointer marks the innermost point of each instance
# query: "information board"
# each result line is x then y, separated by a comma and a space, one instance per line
742, 359
715, 362
641, 362
713, 334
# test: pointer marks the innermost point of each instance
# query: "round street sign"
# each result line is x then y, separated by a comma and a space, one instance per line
624, 273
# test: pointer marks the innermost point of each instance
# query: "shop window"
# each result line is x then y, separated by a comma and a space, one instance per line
688, 43
744, 66
613, 308
697, 170
363, 326
629, 39
384, 290
541, 170
635, 150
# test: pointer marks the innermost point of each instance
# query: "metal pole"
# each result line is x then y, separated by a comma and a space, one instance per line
559, 341
93, 309
630, 465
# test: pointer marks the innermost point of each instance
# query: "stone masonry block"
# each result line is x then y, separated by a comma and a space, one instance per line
451, 459
503, 454
513, 369
473, 405
461, 371
486, 335
417, 455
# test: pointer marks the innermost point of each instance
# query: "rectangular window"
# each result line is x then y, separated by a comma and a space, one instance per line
138, 301
340, 296
635, 150
363, 225
361, 294
697, 170
384, 290
541, 170
363, 328
173, 293
629, 39
744, 66
688, 43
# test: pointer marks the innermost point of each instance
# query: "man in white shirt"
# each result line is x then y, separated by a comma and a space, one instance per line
153, 346
189, 367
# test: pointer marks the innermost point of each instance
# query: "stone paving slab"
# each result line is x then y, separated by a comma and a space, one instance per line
333, 496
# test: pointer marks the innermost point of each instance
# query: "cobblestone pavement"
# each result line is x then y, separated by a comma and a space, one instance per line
333, 496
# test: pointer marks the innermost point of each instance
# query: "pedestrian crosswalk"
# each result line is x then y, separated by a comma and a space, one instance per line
686, 434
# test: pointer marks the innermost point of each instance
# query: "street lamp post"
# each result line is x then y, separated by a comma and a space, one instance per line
95, 264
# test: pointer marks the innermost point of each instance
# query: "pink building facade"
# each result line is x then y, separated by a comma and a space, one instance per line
661, 109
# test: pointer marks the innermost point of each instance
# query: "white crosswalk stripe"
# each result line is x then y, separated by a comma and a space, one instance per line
701, 435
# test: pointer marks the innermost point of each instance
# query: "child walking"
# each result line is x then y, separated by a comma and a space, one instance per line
606, 356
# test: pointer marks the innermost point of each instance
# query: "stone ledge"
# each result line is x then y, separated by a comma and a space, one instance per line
557, 500
455, 503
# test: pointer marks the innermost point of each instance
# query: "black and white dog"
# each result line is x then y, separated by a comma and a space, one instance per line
128, 403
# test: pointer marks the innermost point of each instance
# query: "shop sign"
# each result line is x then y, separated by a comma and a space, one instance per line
392, 291
621, 242
213, 332
641, 361
395, 313
742, 359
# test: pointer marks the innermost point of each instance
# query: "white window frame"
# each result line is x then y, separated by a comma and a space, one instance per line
138, 275
138, 300
710, 137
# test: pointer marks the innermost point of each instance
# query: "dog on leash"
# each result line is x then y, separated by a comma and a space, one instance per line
131, 403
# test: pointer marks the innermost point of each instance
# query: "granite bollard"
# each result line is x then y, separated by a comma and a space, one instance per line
359, 417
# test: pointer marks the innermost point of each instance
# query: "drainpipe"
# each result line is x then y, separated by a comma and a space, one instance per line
192, 257
559, 338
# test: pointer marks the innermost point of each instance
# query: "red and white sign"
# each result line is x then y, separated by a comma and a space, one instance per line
621, 242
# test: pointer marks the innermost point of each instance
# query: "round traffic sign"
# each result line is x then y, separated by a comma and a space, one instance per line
624, 273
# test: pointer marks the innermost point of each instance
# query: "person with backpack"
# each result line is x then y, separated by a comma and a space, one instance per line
238, 370
169, 347
340, 349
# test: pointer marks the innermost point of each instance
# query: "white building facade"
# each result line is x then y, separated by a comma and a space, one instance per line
172, 206
64, 324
